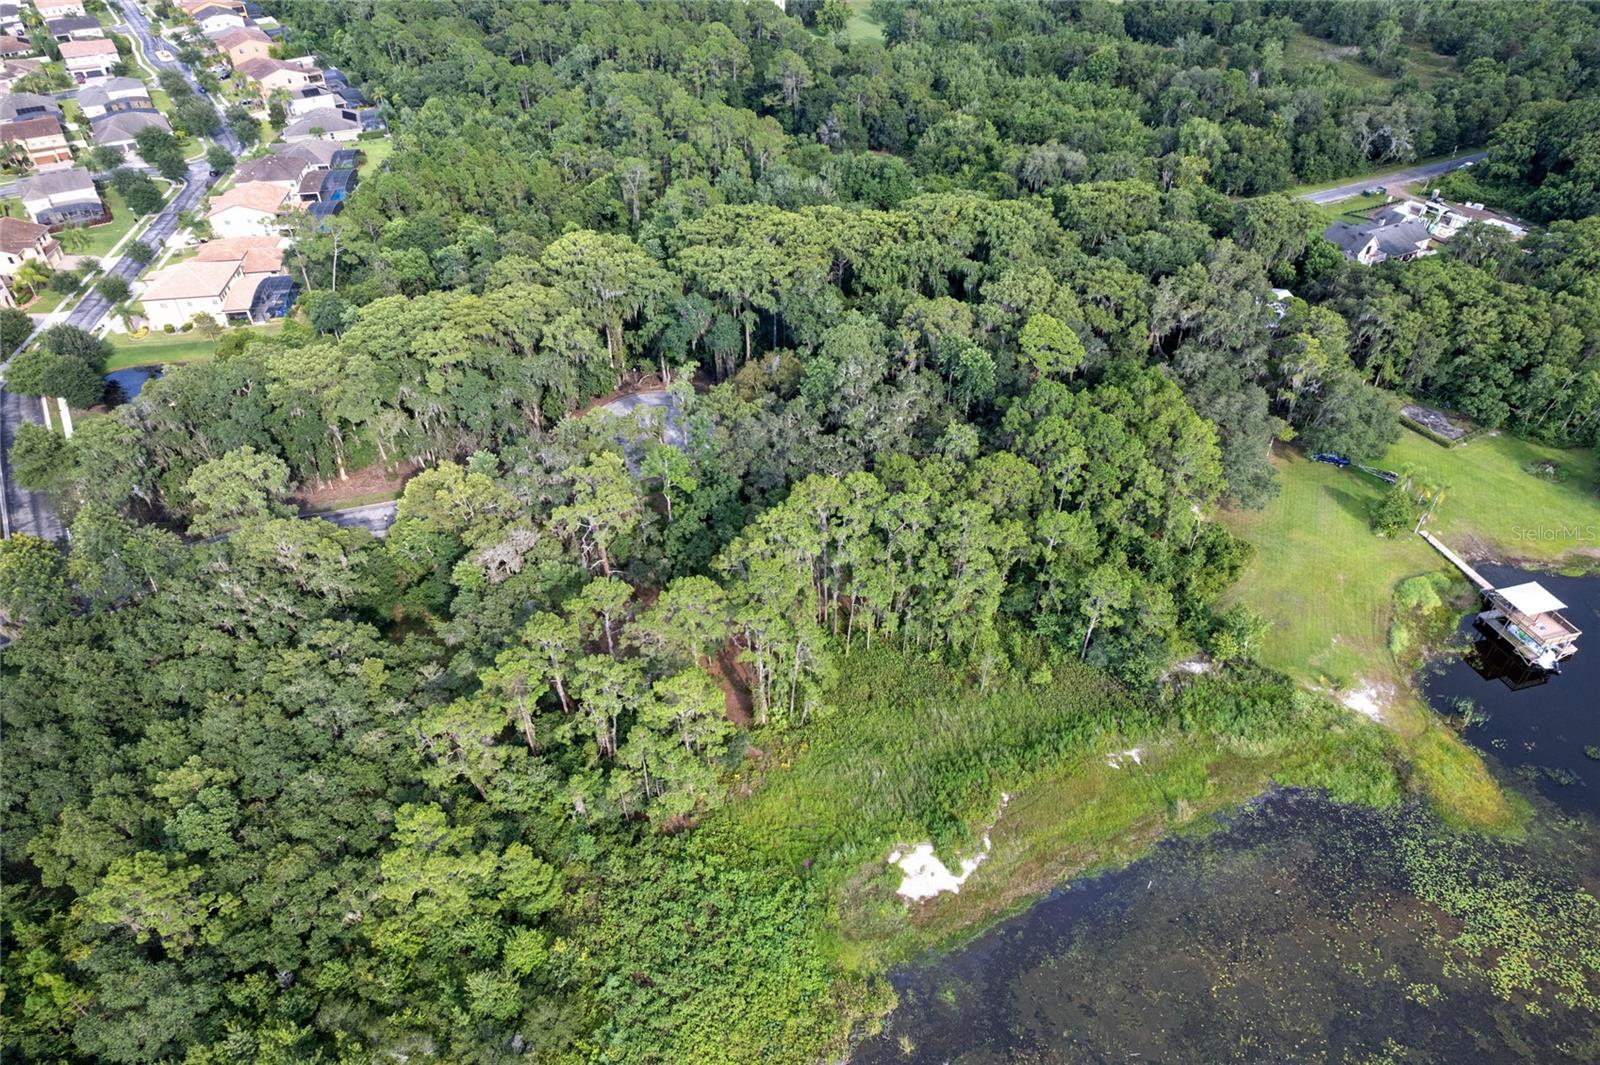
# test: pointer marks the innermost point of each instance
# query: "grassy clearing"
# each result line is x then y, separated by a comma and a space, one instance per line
1320, 576
1495, 505
914, 753
1326, 582
373, 153
1354, 209
1304, 48
862, 26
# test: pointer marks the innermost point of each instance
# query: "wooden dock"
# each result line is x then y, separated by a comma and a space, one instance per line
1458, 562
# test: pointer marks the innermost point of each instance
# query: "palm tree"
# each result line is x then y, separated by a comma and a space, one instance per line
73, 239
31, 274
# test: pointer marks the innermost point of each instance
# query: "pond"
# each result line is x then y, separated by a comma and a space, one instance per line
1307, 931
123, 385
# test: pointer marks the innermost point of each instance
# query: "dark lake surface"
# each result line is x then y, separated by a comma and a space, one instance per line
123, 385
1306, 931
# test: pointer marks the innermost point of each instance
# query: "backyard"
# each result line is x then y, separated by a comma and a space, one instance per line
167, 349
1325, 581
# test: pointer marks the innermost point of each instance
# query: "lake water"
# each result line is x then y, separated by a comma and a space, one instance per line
1305, 931
123, 385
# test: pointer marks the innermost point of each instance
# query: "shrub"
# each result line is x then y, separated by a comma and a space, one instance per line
1394, 512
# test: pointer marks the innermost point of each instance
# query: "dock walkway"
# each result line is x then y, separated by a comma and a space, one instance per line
1458, 562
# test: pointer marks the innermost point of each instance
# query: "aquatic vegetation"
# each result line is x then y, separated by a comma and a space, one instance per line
1527, 935
1593, 752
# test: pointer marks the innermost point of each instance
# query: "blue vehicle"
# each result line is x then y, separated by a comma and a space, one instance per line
1330, 458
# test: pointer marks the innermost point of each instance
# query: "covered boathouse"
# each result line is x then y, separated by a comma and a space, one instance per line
1529, 619
1526, 617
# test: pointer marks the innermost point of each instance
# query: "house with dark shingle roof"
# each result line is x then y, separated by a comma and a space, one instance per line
75, 28
62, 197
1374, 242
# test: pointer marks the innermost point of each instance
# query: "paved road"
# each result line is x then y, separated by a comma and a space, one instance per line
374, 517
1396, 177
31, 512
24, 511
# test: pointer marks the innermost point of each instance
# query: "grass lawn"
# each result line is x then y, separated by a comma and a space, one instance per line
1320, 576
862, 26
169, 348
374, 152
1354, 209
103, 238
1325, 582
48, 300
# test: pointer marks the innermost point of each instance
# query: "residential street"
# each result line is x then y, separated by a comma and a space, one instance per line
1394, 177
30, 512
24, 511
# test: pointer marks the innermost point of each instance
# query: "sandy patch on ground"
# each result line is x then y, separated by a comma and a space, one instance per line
1370, 699
923, 875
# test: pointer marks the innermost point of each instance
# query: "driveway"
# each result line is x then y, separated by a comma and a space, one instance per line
1395, 177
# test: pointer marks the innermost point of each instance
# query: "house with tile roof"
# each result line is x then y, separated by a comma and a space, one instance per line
249, 209
114, 94
21, 240
89, 61
120, 130
75, 28
241, 44
41, 139
327, 123
20, 105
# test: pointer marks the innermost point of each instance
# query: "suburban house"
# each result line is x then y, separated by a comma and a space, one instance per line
1374, 242
242, 44
191, 6
41, 139
288, 163
49, 9
119, 129
117, 94
14, 47
328, 123
302, 102
14, 70
90, 60
270, 75
326, 186
6, 298
229, 288
248, 210
20, 105
11, 23
21, 240
214, 18
62, 198
75, 28
256, 256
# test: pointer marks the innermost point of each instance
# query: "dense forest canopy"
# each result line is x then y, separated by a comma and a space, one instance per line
970, 330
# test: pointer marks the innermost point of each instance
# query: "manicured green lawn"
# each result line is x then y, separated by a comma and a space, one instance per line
1320, 576
103, 238
1354, 209
375, 152
168, 348
1325, 581
1492, 499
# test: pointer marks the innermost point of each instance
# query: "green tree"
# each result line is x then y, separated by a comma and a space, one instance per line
242, 485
